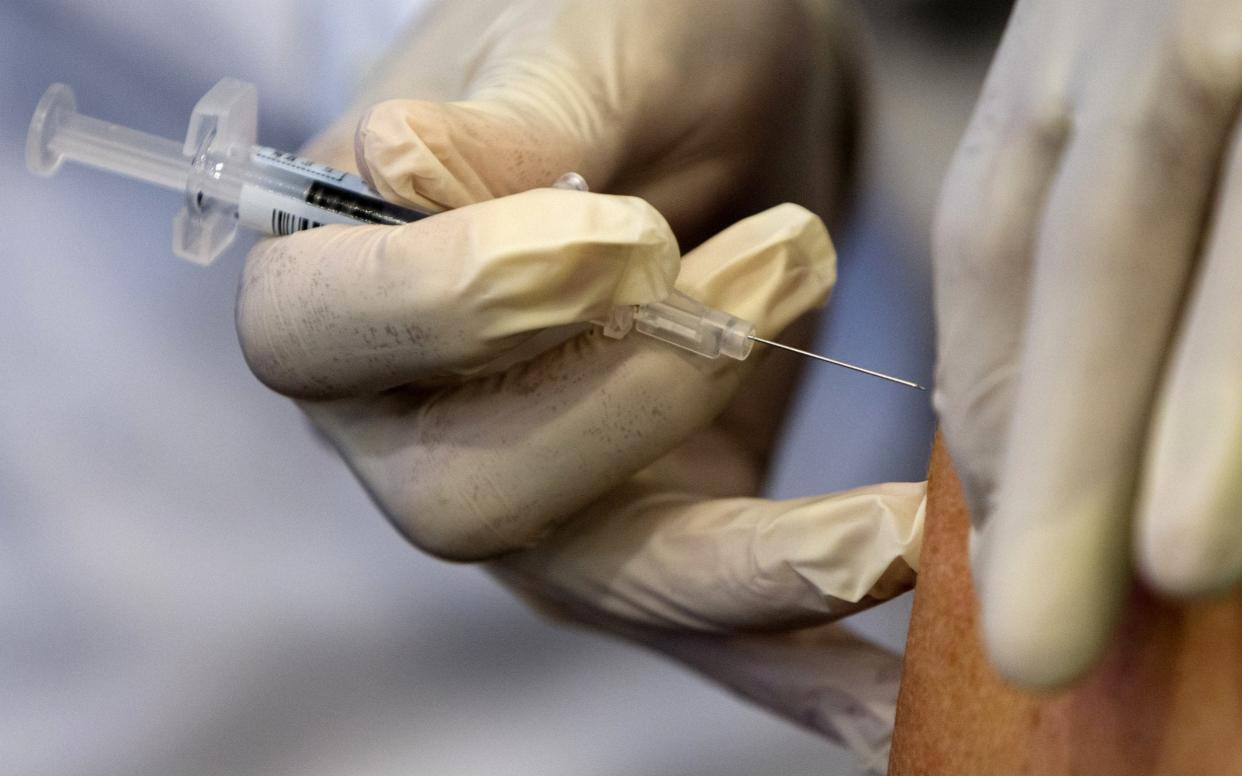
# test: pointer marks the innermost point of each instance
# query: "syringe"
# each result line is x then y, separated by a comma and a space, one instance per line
229, 181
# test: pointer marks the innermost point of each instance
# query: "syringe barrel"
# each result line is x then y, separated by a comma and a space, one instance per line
59, 132
277, 193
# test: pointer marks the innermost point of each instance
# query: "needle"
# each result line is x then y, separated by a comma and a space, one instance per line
835, 362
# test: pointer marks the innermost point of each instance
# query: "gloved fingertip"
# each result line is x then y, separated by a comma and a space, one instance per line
1184, 572
1187, 549
451, 154
1034, 656
1032, 663
398, 147
652, 269
769, 268
834, 554
1188, 535
544, 258
1047, 607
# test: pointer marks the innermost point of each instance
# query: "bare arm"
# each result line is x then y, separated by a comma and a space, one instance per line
1167, 699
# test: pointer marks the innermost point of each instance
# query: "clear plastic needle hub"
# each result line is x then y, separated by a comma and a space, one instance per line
229, 181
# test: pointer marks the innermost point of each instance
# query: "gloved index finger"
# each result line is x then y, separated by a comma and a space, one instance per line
340, 311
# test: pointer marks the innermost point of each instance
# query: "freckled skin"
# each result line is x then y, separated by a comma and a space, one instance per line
1165, 701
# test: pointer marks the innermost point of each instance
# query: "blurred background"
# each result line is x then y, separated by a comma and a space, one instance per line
191, 584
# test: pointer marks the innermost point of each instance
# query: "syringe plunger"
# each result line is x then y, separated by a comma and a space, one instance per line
59, 132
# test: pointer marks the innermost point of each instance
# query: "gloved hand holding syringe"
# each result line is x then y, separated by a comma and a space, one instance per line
613, 481
229, 181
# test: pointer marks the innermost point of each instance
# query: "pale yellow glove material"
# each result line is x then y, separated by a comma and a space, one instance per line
346, 310
474, 459
485, 465
677, 560
425, 154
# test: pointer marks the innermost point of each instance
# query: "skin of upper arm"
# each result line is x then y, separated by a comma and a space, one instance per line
1165, 701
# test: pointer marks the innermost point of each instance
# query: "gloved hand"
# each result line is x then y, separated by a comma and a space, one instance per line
608, 481
1088, 266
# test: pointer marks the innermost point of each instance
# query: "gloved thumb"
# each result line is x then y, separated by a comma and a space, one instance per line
750, 271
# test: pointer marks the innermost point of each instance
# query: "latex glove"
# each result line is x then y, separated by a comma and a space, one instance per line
483, 466
608, 474
1088, 267
582, 470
